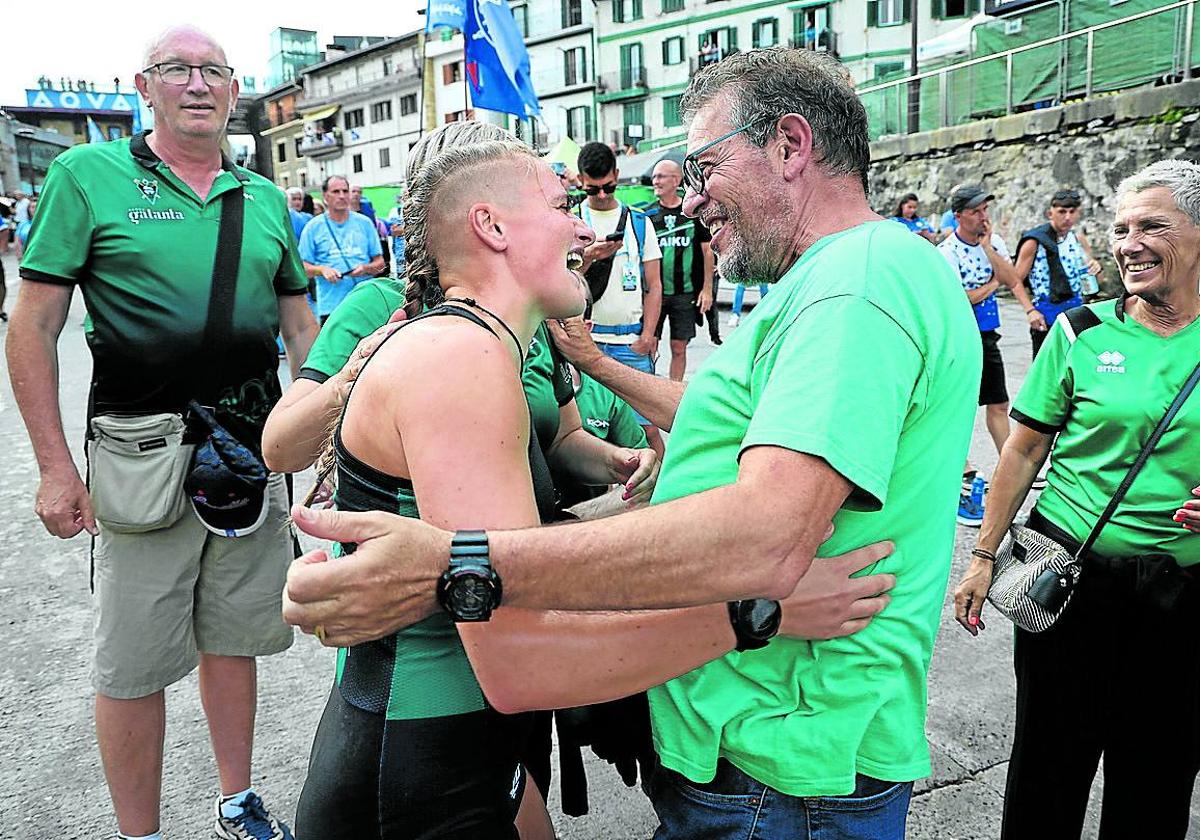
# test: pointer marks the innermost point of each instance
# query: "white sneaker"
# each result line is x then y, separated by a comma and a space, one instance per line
733, 321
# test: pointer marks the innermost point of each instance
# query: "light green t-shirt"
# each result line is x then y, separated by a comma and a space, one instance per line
865, 354
1103, 395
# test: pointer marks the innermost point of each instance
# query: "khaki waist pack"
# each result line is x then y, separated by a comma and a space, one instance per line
136, 468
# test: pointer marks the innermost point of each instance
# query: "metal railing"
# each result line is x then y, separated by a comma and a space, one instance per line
1046, 71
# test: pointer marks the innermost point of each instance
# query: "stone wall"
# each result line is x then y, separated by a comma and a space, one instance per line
1089, 145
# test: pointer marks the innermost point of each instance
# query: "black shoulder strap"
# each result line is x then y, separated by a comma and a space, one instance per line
218, 328
1142, 458
1080, 319
624, 218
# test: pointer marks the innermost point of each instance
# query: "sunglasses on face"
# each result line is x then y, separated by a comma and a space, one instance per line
610, 188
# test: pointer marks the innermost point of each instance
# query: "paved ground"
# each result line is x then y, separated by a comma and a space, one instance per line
51, 784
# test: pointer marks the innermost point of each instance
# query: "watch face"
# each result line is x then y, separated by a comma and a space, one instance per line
762, 617
468, 595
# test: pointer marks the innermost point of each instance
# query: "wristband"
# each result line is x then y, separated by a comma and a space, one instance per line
984, 553
1031, 309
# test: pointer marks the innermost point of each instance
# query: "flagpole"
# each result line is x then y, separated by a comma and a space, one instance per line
466, 77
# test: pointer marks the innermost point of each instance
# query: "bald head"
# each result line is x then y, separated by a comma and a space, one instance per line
668, 167
667, 177
166, 40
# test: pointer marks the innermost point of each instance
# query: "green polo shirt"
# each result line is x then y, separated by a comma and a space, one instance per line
116, 221
1102, 395
607, 416
865, 355
367, 308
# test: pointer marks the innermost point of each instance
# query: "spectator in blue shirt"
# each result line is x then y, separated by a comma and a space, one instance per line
23, 229
395, 223
359, 204
295, 197
949, 223
906, 214
340, 248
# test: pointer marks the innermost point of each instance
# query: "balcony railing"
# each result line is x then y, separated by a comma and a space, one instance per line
628, 83
633, 77
1032, 75
321, 144
823, 41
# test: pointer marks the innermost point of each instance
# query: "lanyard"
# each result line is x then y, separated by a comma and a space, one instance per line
337, 242
631, 264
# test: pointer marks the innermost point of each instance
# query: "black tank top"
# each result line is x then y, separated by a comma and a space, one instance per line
368, 672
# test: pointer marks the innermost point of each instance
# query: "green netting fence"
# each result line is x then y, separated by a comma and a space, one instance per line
993, 81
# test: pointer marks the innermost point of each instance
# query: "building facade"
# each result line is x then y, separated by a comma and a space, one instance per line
359, 114
279, 141
66, 110
647, 50
560, 38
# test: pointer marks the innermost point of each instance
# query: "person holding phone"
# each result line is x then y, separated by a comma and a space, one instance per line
340, 248
623, 270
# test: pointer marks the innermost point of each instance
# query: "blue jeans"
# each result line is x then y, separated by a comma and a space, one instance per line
739, 294
627, 357
734, 806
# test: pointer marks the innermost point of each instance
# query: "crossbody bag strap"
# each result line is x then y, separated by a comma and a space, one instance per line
218, 328
338, 243
1142, 458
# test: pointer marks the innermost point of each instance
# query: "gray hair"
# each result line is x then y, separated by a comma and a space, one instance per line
294, 191
1181, 177
764, 85
439, 153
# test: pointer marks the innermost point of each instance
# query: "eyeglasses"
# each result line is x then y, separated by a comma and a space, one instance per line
574, 199
610, 188
174, 73
693, 172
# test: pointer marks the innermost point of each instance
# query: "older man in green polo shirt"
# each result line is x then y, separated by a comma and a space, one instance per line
849, 396
171, 591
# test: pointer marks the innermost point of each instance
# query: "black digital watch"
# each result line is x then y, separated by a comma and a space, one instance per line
755, 622
470, 588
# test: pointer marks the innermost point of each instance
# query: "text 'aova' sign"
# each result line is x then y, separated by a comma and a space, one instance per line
70, 100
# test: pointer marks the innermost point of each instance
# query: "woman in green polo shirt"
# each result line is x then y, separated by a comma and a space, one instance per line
1118, 675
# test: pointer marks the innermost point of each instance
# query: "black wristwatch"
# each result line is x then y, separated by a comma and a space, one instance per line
469, 588
755, 622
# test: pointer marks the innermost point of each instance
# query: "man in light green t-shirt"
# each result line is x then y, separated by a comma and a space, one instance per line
847, 396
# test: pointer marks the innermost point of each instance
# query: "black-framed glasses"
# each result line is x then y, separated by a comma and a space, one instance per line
693, 172
574, 199
176, 73
610, 188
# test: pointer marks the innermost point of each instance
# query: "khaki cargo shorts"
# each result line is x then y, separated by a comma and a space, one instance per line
164, 597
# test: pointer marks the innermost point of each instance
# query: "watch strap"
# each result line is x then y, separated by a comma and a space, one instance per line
469, 548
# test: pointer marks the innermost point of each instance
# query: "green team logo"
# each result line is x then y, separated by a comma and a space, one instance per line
148, 188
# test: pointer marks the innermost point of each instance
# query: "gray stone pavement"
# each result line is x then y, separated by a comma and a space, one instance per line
51, 784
